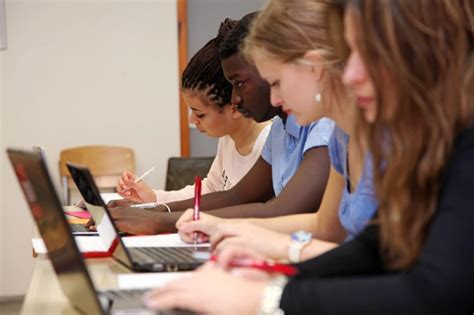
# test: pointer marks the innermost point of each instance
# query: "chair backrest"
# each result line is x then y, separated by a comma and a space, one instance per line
181, 171
106, 164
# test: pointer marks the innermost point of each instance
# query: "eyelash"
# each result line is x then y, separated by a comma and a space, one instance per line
275, 84
200, 116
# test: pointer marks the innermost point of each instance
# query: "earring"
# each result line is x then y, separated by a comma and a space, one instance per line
317, 97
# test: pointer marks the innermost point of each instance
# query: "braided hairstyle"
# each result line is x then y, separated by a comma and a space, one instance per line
203, 73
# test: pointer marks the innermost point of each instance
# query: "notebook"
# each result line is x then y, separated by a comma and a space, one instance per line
137, 258
74, 278
77, 228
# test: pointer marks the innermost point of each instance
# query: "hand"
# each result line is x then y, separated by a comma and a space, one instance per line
200, 290
269, 244
137, 221
136, 192
206, 225
231, 253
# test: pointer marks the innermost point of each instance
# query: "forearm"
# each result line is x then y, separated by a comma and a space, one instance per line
289, 223
210, 201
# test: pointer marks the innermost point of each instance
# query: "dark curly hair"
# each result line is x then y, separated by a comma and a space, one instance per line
204, 71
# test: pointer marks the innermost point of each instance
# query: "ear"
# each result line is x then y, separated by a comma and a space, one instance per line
234, 112
314, 59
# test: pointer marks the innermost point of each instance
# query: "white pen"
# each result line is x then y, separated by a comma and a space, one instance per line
145, 205
144, 175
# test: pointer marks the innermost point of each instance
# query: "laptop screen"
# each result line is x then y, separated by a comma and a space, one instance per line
96, 206
39, 192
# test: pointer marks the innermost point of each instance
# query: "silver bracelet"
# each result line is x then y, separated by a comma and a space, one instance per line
166, 206
151, 205
272, 295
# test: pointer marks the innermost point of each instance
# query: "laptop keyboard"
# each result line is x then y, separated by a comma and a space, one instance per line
166, 254
124, 294
79, 228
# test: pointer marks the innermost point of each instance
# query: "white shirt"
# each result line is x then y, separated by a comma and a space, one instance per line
227, 169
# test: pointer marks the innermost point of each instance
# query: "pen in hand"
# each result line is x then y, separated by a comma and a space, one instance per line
269, 266
197, 202
138, 179
144, 175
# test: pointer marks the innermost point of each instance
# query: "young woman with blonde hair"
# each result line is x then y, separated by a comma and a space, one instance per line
411, 69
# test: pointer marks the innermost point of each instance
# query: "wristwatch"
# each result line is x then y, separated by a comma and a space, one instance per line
298, 241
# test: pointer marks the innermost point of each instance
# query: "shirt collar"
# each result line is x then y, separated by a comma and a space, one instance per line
291, 127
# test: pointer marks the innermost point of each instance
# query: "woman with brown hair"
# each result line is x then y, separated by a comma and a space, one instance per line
411, 69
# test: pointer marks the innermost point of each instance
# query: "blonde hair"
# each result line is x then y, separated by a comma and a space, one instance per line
286, 30
420, 57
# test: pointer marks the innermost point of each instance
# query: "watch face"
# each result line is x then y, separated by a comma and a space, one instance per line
301, 237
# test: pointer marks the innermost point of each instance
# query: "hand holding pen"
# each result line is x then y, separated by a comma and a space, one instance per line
197, 202
131, 187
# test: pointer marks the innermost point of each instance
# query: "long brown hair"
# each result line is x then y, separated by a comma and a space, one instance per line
419, 55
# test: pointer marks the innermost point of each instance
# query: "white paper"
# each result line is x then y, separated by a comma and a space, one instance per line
96, 244
147, 280
162, 240
110, 196
84, 243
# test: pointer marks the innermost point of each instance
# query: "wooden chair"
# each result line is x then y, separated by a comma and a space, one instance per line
181, 171
106, 164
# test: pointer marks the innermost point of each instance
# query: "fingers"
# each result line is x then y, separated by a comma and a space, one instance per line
232, 252
177, 294
123, 184
185, 217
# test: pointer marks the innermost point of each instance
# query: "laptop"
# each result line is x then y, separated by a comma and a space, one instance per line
77, 228
68, 264
154, 259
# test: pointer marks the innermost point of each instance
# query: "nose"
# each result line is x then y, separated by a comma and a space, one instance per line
192, 118
235, 98
275, 98
354, 72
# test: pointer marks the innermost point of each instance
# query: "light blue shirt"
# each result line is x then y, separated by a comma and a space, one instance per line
288, 142
358, 207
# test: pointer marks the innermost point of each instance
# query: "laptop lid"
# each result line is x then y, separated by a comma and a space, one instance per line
104, 222
39, 192
167, 260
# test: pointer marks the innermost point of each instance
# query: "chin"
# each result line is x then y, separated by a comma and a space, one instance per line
303, 121
370, 116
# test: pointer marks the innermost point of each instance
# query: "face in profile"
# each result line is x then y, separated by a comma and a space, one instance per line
355, 74
208, 118
293, 86
250, 93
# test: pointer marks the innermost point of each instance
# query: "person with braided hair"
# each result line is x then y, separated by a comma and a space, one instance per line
208, 94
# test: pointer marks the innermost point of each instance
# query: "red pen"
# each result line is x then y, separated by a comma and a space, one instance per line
197, 202
284, 269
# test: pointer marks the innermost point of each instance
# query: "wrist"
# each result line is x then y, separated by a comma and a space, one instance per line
271, 296
299, 240
281, 248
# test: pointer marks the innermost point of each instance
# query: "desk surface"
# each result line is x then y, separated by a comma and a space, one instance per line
44, 295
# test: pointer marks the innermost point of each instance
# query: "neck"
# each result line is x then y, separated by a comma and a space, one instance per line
342, 112
246, 134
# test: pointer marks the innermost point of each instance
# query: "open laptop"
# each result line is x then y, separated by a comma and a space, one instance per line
77, 228
63, 252
135, 258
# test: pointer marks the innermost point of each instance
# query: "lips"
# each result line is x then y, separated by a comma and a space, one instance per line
364, 101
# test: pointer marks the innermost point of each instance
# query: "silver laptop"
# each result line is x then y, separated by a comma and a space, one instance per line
155, 259
63, 252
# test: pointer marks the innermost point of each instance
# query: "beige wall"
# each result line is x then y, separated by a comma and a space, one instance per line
83, 72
